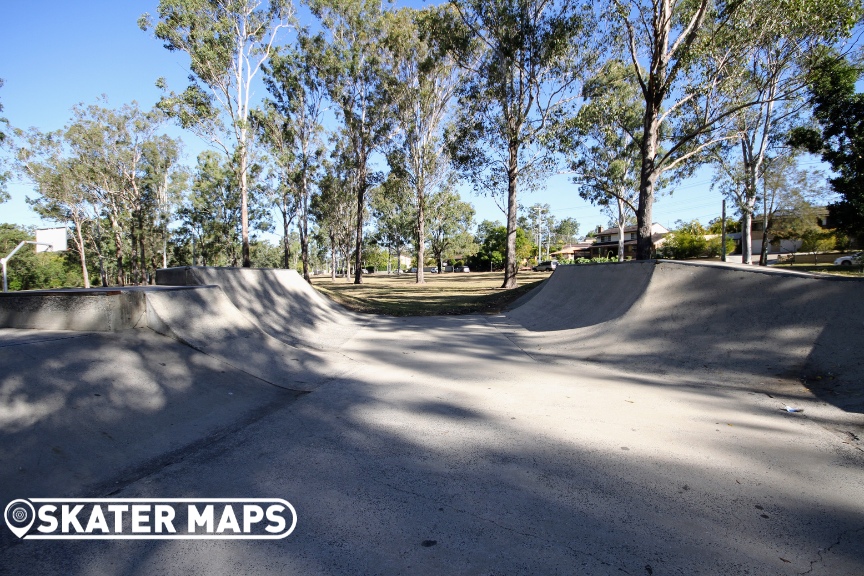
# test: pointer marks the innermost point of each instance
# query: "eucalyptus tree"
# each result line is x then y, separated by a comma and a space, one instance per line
64, 196
290, 124
228, 42
163, 181
602, 144
120, 149
679, 66
450, 222
422, 82
532, 54
333, 207
114, 162
395, 217
279, 191
785, 40
210, 213
352, 65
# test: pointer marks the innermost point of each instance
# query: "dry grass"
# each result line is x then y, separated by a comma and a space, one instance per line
449, 293
824, 268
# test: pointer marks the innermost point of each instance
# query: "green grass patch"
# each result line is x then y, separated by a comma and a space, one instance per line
827, 268
442, 294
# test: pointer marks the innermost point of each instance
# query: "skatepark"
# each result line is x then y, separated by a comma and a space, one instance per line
619, 419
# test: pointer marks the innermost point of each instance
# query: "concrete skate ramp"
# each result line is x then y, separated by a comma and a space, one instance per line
279, 302
206, 320
654, 316
570, 298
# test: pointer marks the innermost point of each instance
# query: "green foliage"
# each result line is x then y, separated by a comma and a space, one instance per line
210, 214
686, 241
352, 69
602, 140
394, 213
715, 226
492, 238
290, 126
595, 260
375, 258
839, 111
114, 178
227, 41
714, 247
526, 58
28, 270
449, 219
814, 240
265, 255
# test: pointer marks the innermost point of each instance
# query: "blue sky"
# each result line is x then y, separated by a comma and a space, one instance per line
59, 53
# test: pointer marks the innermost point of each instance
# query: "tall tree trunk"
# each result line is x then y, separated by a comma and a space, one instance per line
358, 239
421, 235
118, 251
361, 204
82, 253
244, 201
164, 246
286, 248
647, 179
621, 222
332, 258
304, 230
511, 265
97, 242
133, 257
763, 253
142, 248
746, 239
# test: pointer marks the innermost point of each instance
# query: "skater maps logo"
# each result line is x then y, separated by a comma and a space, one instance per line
150, 518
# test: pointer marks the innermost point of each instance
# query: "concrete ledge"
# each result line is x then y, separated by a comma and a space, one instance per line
94, 310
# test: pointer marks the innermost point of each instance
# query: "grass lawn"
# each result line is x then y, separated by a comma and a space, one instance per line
448, 293
827, 268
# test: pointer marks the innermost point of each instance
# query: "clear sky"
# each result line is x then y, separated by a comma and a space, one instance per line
59, 53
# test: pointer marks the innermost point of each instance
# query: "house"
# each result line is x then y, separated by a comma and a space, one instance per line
573, 251
776, 245
606, 241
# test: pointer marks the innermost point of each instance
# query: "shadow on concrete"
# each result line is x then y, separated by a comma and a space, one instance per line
427, 486
701, 319
455, 445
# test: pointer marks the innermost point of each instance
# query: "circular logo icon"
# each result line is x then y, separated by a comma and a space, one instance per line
19, 516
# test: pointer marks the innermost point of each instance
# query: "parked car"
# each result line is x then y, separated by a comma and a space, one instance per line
548, 265
849, 260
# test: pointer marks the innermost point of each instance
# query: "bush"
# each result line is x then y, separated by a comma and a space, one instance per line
597, 260
713, 248
682, 244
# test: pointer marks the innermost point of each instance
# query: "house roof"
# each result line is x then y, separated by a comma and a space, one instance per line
570, 248
655, 227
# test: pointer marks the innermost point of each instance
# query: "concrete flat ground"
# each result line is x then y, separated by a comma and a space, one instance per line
451, 445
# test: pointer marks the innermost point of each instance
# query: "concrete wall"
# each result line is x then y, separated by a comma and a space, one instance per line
91, 310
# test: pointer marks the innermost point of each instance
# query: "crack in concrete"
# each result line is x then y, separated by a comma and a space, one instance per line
828, 549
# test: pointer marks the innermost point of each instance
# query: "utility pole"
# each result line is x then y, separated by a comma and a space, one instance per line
539, 233
723, 233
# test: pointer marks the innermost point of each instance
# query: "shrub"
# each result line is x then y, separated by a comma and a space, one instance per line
682, 244
713, 247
